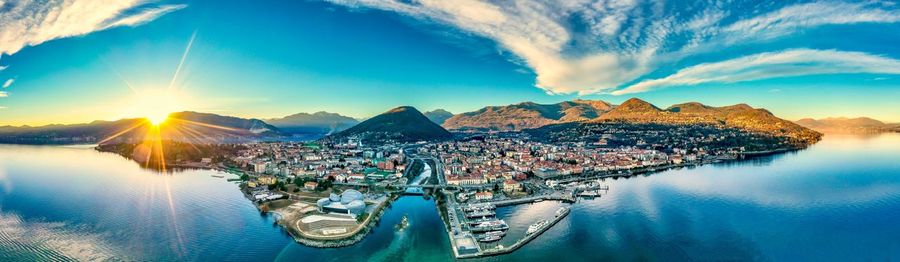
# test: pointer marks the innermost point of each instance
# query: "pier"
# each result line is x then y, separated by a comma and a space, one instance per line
569, 198
528, 237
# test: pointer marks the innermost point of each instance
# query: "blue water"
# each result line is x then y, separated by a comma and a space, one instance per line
838, 200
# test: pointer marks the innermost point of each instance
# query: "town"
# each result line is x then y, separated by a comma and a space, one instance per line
331, 193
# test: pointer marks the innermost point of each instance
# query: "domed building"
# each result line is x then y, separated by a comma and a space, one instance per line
349, 202
349, 195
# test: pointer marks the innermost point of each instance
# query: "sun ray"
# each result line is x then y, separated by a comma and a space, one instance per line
183, 57
126, 130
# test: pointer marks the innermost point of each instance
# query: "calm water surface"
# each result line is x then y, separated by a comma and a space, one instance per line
838, 200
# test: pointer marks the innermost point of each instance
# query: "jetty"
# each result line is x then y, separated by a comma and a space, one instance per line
499, 250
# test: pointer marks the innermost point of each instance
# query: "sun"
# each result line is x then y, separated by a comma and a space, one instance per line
156, 104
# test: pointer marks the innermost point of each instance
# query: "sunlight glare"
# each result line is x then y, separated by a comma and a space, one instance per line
156, 104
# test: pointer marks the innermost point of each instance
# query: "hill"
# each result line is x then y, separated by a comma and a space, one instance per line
403, 123
740, 116
847, 125
316, 123
528, 115
438, 116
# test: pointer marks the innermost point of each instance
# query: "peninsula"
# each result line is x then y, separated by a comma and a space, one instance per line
332, 191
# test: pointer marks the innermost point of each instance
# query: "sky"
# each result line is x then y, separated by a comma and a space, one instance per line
75, 61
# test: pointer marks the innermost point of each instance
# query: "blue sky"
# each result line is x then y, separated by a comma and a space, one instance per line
361, 57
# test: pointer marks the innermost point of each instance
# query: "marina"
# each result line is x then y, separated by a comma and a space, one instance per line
533, 232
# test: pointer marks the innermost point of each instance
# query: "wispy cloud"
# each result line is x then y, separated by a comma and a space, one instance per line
8, 82
3, 94
795, 62
596, 46
32, 22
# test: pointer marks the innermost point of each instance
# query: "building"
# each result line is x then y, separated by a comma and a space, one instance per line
267, 180
511, 186
473, 179
259, 167
310, 185
349, 202
485, 195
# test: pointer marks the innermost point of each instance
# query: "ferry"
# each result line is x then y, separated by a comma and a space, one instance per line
534, 228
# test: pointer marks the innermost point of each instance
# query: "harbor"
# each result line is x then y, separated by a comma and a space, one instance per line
474, 228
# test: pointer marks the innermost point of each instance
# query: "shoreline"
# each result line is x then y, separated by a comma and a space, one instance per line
372, 220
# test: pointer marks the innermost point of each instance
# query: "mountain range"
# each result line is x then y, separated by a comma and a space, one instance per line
181, 126
527, 115
408, 124
739, 116
403, 123
848, 125
316, 123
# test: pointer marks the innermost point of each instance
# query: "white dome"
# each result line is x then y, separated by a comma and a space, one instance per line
323, 202
350, 195
356, 206
334, 197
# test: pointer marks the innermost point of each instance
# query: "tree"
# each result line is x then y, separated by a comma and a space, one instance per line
245, 177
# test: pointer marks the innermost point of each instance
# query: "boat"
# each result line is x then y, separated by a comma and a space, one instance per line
589, 193
493, 225
480, 214
219, 176
494, 233
404, 223
534, 228
489, 238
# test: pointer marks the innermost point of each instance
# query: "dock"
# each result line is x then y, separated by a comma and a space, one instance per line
528, 237
569, 198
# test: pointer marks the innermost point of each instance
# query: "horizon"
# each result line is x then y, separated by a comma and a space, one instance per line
454, 113
361, 58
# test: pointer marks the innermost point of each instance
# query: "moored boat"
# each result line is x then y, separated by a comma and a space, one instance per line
534, 228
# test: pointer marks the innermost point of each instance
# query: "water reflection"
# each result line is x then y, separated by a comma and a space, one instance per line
837, 200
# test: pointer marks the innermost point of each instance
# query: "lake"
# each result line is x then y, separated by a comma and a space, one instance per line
837, 200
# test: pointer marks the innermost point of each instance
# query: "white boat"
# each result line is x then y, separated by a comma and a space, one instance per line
561, 211
533, 228
489, 238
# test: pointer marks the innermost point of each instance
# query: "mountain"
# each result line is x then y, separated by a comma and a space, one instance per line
528, 115
315, 123
223, 123
847, 125
403, 123
740, 116
438, 116
181, 126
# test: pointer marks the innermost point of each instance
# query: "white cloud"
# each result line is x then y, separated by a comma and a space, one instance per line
795, 62
3, 94
595, 46
32, 22
8, 82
